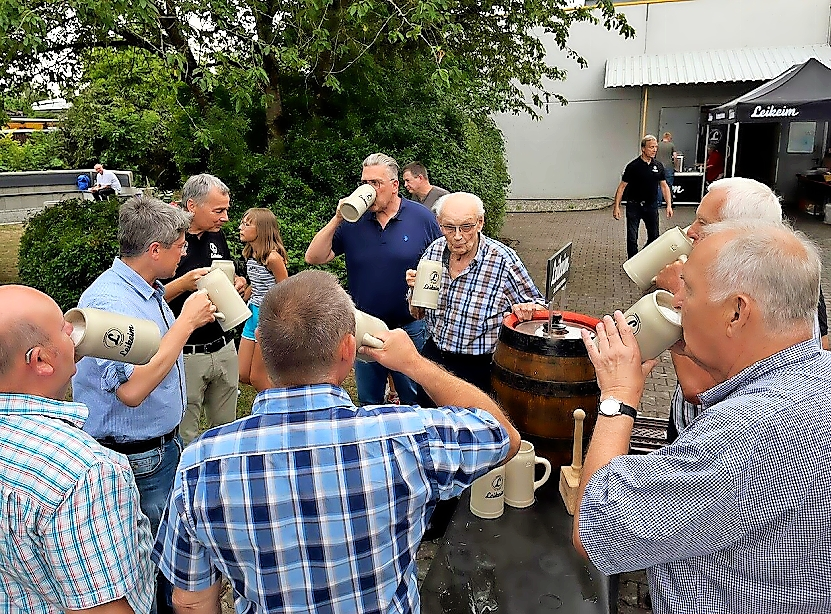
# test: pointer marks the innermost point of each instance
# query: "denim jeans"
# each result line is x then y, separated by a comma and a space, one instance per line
371, 378
154, 472
635, 212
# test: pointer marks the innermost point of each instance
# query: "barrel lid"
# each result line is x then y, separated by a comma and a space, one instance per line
530, 335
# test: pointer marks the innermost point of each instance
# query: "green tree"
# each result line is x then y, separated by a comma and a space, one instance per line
123, 116
490, 54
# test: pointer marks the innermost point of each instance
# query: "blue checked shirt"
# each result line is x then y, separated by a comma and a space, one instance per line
734, 515
120, 289
314, 505
472, 306
72, 535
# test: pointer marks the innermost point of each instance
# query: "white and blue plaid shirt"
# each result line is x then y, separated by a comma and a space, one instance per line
313, 505
734, 515
72, 534
472, 306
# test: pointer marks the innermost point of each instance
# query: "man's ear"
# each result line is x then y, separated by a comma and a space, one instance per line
739, 309
40, 361
191, 205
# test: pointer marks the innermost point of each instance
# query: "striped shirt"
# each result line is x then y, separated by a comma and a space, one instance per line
72, 535
472, 306
261, 279
314, 505
732, 516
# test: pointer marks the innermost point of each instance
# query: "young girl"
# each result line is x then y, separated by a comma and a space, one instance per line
266, 264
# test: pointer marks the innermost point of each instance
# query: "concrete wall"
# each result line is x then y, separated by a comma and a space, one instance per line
579, 150
23, 194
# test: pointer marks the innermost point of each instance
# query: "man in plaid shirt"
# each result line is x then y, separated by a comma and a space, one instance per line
312, 504
482, 282
733, 515
72, 534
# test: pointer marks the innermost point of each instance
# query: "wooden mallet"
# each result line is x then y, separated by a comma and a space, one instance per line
570, 475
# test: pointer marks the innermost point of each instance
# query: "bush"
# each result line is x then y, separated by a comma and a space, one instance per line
41, 151
66, 246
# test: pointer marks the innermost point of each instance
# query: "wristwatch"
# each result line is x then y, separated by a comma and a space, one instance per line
611, 407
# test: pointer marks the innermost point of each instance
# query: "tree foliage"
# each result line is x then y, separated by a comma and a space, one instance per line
489, 53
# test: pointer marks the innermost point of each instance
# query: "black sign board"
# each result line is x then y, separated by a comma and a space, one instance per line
556, 274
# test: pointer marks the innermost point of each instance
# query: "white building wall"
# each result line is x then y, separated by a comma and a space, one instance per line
579, 150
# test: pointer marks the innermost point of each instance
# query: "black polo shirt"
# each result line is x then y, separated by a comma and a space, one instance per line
201, 251
642, 179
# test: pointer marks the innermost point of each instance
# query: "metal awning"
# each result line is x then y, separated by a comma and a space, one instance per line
711, 66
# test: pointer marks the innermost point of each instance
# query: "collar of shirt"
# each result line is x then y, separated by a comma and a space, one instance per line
795, 353
300, 399
31, 405
136, 281
395, 217
477, 258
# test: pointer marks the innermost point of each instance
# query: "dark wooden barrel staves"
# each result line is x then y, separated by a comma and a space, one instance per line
540, 381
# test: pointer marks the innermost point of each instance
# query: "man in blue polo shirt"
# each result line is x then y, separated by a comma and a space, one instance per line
379, 248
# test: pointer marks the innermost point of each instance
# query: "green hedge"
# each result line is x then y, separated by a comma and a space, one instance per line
66, 246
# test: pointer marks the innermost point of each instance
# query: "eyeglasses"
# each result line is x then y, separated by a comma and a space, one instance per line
182, 248
28, 355
375, 183
451, 229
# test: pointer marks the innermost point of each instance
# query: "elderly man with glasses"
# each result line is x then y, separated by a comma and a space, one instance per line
482, 281
379, 248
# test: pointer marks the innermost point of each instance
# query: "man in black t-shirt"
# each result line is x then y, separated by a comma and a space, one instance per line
211, 364
641, 180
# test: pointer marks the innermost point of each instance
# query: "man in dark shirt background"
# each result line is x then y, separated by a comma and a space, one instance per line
211, 364
641, 180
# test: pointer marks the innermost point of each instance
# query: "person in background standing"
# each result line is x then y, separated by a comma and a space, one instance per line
265, 261
417, 183
211, 363
641, 180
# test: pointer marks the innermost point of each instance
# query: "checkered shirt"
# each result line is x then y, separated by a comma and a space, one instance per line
472, 306
72, 535
313, 505
733, 516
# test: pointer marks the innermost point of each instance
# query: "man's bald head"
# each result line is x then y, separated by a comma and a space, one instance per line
36, 352
21, 322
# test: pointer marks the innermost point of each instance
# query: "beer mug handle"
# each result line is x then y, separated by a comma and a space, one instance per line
539, 460
373, 342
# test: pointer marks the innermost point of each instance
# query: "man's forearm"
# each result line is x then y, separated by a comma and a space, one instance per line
609, 440
198, 602
320, 249
447, 389
145, 378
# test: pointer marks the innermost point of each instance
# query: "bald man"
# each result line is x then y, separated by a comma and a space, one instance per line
73, 535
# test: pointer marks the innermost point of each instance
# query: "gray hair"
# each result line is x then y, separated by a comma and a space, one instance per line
777, 266
480, 206
747, 199
198, 187
302, 321
646, 138
379, 159
143, 220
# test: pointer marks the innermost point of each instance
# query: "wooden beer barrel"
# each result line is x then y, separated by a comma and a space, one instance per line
540, 381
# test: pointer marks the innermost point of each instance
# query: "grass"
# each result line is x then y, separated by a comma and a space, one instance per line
9, 241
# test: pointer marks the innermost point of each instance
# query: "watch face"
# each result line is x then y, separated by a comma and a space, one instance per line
610, 407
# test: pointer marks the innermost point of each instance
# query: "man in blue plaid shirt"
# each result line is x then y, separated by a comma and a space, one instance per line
733, 515
312, 504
